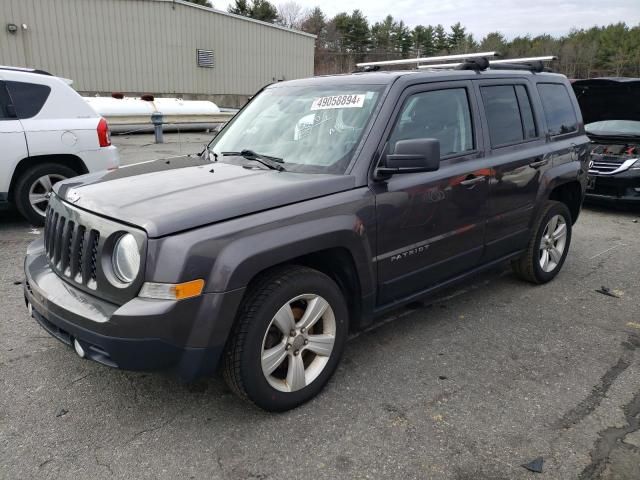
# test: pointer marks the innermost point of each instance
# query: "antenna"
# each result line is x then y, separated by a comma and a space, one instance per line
508, 61
441, 58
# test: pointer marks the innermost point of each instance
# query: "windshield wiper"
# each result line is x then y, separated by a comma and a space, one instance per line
266, 160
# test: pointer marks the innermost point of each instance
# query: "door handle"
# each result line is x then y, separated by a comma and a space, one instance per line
472, 180
539, 163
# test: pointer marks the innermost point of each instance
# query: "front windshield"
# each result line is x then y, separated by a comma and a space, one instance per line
614, 127
312, 129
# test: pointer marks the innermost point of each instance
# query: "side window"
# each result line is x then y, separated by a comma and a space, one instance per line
440, 114
503, 114
526, 112
4, 102
28, 98
509, 114
558, 109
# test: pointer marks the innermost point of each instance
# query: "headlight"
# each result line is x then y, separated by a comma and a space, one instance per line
636, 165
126, 258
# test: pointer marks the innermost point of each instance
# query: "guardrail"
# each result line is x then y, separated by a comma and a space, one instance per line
143, 123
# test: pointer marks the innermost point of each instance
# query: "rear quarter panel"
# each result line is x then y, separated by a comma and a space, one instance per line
568, 153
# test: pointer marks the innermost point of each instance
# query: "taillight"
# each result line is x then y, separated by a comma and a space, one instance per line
104, 135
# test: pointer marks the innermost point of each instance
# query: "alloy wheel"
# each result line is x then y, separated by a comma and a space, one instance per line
298, 343
553, 242
40, 190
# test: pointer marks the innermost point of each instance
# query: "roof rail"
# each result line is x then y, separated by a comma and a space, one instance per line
525, 63
441, 58
26, 70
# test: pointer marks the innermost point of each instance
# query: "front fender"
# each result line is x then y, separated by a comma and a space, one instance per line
228, 254
241, 260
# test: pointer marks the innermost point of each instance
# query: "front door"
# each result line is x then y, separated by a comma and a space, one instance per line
431, 225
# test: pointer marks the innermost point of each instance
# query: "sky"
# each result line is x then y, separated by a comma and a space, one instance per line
512, 18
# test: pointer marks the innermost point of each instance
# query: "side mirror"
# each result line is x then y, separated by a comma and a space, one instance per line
411, 156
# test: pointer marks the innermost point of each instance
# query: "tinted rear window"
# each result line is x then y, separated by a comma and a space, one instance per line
4, 101
509, 114
558, 109
503, 115
28, 98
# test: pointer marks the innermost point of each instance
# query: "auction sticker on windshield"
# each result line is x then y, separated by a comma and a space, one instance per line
338, 101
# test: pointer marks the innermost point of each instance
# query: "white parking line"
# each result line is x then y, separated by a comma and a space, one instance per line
608, 249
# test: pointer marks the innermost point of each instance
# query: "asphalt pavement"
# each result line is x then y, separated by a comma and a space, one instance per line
490, 375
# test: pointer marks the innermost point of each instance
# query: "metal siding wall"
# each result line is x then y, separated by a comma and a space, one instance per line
148, 45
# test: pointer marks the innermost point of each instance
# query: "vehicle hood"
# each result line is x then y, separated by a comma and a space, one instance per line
168, 196
608, 98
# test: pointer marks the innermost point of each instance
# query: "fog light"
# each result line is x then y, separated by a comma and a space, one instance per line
30, 308
78, 348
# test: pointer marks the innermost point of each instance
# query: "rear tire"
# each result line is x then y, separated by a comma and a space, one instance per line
33, 186
278, 357
548, 246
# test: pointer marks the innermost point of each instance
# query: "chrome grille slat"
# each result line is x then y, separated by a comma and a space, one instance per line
58, 241
94, 236
76, 252
600, 167
50, 233
65, 256
86, 258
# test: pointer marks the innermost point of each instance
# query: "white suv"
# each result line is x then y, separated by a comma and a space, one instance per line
47, 133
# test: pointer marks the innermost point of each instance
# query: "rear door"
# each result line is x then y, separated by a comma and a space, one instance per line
12, 141
44, 135
517, 154
430, 224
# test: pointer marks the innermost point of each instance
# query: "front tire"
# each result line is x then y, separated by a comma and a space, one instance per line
34, 186
548, 246
288, 338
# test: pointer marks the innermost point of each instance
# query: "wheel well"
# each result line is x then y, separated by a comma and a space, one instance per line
336, 263
571, 195
71, 161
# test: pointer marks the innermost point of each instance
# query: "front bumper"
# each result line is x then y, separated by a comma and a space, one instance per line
187, 336
622, 187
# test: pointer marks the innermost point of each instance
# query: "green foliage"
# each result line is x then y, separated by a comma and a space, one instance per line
348, 38
441, 39
258, 9
240, 7
457, 39
263, 10
424, 44
204, 3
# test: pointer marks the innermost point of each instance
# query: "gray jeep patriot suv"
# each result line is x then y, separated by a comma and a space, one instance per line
323, 204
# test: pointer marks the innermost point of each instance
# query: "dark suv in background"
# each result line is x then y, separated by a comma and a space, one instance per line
323, 204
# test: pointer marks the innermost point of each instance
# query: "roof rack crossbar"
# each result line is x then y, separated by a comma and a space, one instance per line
510, 61
441, 58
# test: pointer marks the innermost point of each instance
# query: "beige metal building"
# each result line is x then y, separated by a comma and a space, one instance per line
163, 47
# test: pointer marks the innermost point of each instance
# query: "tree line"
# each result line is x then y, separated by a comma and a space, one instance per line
349, 38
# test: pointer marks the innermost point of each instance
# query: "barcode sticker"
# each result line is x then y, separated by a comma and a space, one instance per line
338, 101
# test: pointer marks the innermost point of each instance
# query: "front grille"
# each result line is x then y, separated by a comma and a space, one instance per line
78, 245
70, 250
605, 166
